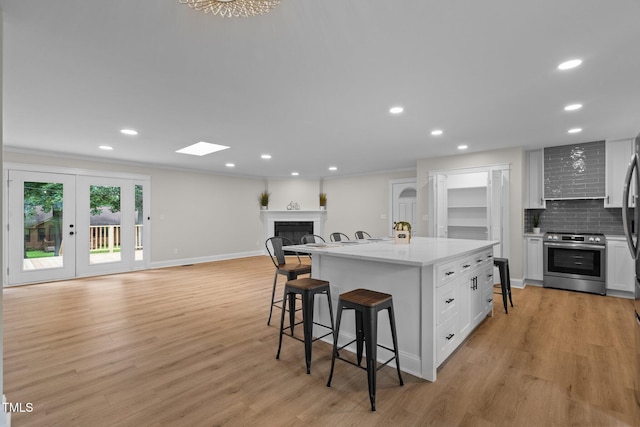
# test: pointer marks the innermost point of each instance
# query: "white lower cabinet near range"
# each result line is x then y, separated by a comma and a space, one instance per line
619, 265
533, 255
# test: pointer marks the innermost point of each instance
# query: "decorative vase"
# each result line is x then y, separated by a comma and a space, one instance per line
264, 208
323, 208
536, 230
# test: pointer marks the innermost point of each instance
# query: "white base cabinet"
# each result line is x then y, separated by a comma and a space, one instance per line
619, 266
534, 258
464, 297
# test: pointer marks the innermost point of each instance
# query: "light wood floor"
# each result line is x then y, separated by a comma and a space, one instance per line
189, 346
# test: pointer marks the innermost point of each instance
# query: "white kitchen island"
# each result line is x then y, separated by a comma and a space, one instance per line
442, 289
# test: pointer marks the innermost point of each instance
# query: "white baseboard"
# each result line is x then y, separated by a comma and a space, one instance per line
199, 260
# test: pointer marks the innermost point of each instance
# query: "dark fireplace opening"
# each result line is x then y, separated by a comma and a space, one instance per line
293, 230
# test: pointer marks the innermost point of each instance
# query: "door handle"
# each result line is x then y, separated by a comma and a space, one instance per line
626, 225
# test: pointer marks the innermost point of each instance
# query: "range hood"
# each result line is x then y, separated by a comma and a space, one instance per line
575, 171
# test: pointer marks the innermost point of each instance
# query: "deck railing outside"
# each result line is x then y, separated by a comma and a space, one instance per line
107, 237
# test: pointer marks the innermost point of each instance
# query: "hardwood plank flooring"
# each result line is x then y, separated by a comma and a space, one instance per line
189, 346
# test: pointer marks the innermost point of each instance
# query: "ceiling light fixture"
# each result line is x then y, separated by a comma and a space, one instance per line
333, 168
232, 8
105, 147
462, 147
575, 130
436, 132
266, 156
230, 165
567, 65
396, 110
573, 107
295, 173
129, 131
201, 149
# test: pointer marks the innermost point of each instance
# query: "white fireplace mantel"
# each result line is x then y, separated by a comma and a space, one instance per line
269, 218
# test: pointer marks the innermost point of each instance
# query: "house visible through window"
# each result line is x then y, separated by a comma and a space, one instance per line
27, 235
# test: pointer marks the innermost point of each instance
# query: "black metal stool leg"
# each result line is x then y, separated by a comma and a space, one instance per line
392, 322
371, 341
360, 336
273, 297
503, 286
284, 300
336, 331
307, 325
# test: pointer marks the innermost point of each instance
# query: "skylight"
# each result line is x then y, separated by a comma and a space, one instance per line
201, 149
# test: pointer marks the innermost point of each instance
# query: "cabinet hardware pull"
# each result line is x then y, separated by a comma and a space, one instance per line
489, 275
466, 266
490, 300
448, 273
450, 336
479, 260
450, 300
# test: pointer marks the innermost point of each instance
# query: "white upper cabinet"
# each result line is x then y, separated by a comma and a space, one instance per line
618, 156
534, 180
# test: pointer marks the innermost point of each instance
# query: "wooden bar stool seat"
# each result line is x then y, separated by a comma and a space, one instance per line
367, 304
505, 281
307, 288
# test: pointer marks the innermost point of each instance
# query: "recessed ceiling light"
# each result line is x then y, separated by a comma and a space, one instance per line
295, 173
201, 148
575, 130
567, 65
573, 107
230, 165
462, 147
437, 132
266, 156
333, 168
396, 110
105, 147
129, 131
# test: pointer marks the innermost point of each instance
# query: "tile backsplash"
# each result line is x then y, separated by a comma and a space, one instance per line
582, 216
575, 171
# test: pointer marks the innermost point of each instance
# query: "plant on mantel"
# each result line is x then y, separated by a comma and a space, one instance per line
263, 199
323, 201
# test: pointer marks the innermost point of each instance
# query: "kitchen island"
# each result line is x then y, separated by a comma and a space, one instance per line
442, 289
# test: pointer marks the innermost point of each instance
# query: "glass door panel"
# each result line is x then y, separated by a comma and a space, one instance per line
41, 227
104, 224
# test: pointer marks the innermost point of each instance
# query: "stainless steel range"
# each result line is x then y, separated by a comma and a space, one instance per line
575, 261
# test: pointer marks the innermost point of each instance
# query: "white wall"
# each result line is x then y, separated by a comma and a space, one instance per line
2, 270
360, 203
515, 157
199, 216
303, 192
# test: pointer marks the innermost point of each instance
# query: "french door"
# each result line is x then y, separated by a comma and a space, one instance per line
63, 226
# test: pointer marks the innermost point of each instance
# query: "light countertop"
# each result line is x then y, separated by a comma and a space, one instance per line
422, 251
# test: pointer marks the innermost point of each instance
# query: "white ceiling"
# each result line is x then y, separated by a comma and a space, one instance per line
311, 82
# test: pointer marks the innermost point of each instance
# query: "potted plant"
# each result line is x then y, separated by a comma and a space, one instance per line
263, 198
402, 232
536, 224
323, 201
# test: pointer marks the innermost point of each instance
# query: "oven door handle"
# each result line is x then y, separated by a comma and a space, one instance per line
574, 245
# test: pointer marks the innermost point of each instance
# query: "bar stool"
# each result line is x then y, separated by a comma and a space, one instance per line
366, 304
505, 281
308, 288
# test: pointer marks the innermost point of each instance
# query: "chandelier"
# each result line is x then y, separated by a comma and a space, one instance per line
232, 8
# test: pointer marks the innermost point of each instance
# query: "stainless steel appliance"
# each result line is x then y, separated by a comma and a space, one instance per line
630, 219
577, 262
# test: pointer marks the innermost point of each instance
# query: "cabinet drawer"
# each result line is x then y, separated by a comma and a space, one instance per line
446, 304
488, 300
447, 339
447, 272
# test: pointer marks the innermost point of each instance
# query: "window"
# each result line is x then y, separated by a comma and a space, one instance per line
41, 234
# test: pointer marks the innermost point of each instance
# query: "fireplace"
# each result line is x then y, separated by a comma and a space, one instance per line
293, 224
293, 230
